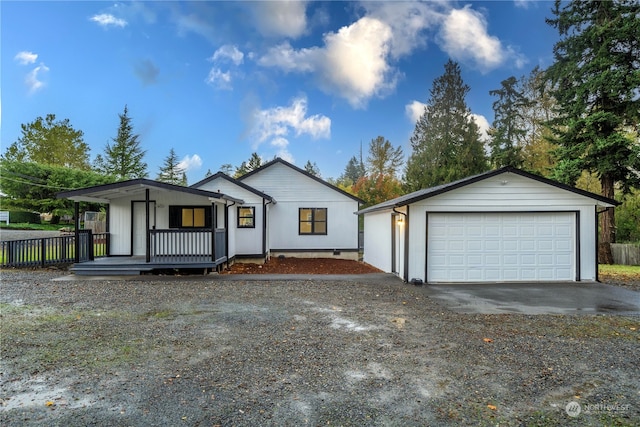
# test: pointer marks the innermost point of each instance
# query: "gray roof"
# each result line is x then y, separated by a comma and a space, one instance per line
232, 180
426, 193
106, 192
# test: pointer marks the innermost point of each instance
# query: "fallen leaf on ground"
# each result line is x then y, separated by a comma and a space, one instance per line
492, 407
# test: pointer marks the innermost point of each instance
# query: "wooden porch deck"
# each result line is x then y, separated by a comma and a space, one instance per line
136, 265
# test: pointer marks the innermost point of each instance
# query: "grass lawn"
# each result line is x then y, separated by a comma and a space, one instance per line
29, 226
627, 270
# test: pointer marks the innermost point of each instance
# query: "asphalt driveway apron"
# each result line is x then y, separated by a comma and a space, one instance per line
536, 298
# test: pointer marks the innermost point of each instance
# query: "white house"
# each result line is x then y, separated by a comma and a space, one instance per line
506, 225
296, 213
277, 209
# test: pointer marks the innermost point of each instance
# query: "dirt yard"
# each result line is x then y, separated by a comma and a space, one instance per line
303, 266
197, 351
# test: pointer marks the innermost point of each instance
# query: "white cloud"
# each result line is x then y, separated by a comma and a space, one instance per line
415, 110
281, 18
228, 52
33, 79
107, 19
464, 37
524, 4
275, 125
408, 21
190, 163
483, 124
219, 79
352, 63
26, 57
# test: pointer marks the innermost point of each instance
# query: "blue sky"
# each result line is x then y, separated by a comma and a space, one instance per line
217, 81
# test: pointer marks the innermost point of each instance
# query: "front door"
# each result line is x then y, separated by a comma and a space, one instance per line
139, 232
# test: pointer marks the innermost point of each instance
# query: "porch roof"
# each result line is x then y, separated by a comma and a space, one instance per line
107, 192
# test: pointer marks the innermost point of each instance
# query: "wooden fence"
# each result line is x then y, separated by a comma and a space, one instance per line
626, 253
52, 250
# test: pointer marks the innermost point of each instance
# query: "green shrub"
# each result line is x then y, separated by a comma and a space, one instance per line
628, 219
24, 217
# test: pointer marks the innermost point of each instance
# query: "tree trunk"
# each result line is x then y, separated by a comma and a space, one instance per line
607, 223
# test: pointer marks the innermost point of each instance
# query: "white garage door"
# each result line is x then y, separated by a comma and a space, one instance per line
502, 247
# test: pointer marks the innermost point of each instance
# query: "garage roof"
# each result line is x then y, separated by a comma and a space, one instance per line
107, 192
426, 193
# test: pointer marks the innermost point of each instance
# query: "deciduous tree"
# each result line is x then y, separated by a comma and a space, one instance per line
50, 142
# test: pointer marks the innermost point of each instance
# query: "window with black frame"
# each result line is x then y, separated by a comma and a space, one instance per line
246, 217
312, 221
189, 216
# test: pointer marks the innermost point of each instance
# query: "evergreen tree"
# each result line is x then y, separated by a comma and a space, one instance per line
123, 158
595, 80
50, 142
255, 161
226, 169
353, 171
312, 168
508, 132
171, 172
446, 143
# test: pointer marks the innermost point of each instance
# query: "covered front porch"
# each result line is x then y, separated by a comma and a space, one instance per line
169, 228
169, 250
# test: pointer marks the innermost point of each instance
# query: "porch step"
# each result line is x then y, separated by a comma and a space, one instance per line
105, 270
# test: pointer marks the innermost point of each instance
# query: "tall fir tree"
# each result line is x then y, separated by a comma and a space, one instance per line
446, 143
595, 79
171, 172
507, 134
353, 171
254, 162
312, 168
124, 157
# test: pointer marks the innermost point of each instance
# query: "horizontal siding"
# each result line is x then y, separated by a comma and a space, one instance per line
342, 226
377, 241
232, 190
288, 185
507, 190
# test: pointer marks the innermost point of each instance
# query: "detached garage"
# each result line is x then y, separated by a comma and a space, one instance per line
505, 225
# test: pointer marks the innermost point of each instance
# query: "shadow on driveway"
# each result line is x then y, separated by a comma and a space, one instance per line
536, 298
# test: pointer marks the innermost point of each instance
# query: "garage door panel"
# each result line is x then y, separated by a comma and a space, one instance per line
501, 247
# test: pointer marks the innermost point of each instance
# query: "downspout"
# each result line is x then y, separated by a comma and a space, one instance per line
406, 242
598, 241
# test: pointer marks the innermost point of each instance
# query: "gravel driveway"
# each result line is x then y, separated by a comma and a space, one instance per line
198, 351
